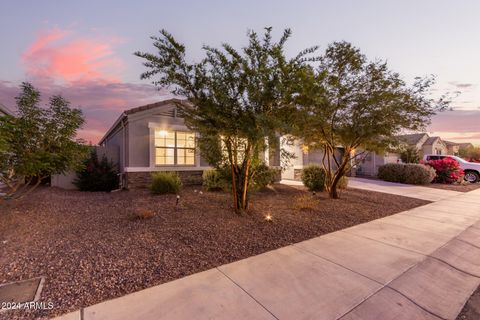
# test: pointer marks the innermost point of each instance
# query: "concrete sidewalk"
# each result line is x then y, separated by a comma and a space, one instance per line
419, 264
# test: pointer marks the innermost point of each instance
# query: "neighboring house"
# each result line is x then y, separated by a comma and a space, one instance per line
420, 141
5, 111
426, 144
454, 148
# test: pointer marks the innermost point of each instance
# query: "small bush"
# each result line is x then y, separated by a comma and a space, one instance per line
97, 175
304, 202
447, 170
408, 173
313, 177
393, 172
142, 213
165, 182
342, 183
418, 174
264, 176
214, 180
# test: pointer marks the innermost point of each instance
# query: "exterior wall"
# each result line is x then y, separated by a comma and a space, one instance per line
117, 141
369, 166
141, 180
295, 165
303, 157
437, 147
65, 181
453, 149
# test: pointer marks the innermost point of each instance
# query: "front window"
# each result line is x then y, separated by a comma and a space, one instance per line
174, 148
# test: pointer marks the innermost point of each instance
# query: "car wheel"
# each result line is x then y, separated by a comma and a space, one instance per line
472, 176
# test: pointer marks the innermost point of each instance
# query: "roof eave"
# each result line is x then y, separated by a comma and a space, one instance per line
115, 124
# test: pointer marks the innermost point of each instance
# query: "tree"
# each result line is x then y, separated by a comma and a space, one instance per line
352, 103
239, 101
97, 175
410, 154
470, 153
38, 142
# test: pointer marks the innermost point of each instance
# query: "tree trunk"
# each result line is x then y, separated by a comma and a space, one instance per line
245, 186
20, 196
341, 171
234, 189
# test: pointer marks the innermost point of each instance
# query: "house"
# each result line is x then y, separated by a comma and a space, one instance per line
5, 111
426, 144
155, 138
420, 141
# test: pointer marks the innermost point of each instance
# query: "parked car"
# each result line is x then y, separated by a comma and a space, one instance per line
471, 169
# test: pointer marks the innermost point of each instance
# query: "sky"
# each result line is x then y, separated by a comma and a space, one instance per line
83, 50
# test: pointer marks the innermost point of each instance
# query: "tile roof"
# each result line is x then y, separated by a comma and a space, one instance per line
411, 138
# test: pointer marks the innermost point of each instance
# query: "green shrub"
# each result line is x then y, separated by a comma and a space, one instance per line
165, 182
419, 174
393, 172
214, 180
97, 175
264, 176
313, 177
406, 173
342, 183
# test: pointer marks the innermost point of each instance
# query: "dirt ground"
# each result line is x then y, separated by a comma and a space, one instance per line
90, 247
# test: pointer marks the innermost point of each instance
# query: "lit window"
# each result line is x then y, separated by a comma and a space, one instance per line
174, 148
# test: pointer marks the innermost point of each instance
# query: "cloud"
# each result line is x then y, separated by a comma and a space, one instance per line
64, 56
86, 71
457, 121
460, 85
457, 125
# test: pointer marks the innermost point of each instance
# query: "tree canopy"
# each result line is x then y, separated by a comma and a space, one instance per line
354, 104
38, 142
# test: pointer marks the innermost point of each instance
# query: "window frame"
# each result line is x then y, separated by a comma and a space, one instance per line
176, 149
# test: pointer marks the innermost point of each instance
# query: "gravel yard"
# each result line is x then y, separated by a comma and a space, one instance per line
90, 247
471, 310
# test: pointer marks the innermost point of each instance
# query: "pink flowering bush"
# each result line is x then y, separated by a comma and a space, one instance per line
447, 169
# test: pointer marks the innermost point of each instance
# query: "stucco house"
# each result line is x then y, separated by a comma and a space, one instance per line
154, 138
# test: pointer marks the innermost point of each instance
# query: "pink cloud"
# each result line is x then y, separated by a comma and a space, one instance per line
63, 56
84, 70
456, 121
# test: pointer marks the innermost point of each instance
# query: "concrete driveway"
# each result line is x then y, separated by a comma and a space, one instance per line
419, 264
407, 190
